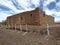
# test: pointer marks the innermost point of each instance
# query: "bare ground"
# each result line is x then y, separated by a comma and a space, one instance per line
15, 37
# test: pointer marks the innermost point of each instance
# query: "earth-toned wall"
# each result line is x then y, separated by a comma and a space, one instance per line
45, 19
30, 17
35, 17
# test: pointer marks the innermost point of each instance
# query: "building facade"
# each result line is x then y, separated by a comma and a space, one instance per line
34, 17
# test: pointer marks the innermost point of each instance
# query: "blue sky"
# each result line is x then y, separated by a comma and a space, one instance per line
11, 7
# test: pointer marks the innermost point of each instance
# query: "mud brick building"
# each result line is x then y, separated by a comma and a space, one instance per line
34, 17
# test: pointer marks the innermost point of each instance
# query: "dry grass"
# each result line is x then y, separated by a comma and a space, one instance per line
16, 37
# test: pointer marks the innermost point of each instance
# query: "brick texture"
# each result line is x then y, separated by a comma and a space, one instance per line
34, 17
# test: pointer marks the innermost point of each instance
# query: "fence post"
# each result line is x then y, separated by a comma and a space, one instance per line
26, 27
20, 27
9, 26
48, 30
12, 26
1, 26
15, 26
4, 26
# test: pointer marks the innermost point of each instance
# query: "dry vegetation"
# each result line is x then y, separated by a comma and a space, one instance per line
16, 37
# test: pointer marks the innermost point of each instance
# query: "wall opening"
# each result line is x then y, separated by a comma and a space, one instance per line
44, 14
21, 18
31, 15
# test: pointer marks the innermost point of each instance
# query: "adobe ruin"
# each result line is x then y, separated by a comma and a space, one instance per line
34, 17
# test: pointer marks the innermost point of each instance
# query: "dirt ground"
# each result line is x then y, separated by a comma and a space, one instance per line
15, 37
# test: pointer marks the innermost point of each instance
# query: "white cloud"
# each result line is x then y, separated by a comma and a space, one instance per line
23, 3
57, 19
51, 12
3, 16
46, 2
36, 2
26, 4
58, 4
9, 4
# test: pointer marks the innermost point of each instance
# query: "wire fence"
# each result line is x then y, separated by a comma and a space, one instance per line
23, 27
29, 28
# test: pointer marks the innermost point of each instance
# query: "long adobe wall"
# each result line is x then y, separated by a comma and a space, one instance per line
30, 18
45, 19
35, 17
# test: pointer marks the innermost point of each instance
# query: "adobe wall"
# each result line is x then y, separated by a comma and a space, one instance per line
30, 18
45, 19
35, 17
50, 20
